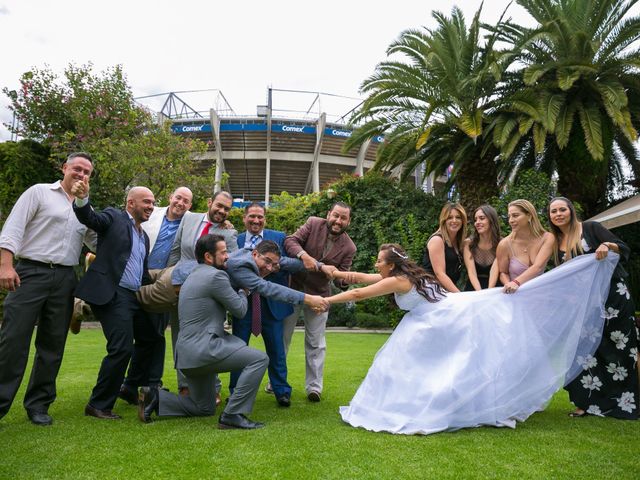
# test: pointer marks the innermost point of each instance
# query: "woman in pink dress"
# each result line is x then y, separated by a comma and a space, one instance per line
524, 253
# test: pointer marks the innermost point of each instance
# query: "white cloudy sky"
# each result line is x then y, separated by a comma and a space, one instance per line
240, 48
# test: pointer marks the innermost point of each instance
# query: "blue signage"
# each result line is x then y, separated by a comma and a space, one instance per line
292, 128
334, 132
191, 128
247, 127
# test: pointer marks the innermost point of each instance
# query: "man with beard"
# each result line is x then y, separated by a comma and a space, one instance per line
325, 241
192, 227
161, 228
204, 349
46, 238
110, 287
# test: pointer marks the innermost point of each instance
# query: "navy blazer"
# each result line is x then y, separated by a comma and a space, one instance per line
113, 226
279, 310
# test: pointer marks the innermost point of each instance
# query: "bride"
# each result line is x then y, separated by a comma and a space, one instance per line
473, 358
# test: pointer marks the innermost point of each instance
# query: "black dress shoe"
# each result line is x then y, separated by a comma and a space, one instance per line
284, 400
148, 403
237, 420
39, 418
90, 411
313, 396
128, 395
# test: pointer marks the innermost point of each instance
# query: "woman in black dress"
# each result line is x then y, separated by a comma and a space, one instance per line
480, 250
443, 254
608, 385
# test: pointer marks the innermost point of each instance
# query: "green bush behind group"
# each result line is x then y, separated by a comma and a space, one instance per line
383, 211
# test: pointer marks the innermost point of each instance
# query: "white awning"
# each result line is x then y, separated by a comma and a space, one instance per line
622, 214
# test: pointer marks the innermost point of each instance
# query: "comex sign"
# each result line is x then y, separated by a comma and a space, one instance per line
205, 127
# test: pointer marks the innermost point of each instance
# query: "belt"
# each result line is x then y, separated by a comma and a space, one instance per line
35, 263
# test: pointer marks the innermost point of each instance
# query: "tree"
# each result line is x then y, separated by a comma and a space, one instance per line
577, 100
96, 112
22, 164
435, 105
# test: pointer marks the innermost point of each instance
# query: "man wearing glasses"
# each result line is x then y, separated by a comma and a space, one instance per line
44, 235
247, 268
272, 312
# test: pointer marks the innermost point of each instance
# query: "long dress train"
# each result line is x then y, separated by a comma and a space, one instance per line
483, 358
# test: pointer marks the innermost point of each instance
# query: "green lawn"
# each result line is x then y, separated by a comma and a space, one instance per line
305, 441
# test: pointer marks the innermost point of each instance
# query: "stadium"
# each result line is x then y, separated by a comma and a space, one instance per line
294, 142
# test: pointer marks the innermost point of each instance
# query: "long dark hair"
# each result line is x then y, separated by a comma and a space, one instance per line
494, 228
425, 283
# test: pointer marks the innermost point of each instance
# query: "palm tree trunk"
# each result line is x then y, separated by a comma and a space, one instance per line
477, 181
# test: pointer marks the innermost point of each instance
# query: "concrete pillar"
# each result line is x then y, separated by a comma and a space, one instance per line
215, 132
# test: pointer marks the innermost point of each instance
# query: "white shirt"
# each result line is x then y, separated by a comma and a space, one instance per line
43, 227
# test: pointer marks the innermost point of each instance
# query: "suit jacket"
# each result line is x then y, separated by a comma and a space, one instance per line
205, 297
312, 237
279, 310
152, 226
244, 273
188, 233
113, 227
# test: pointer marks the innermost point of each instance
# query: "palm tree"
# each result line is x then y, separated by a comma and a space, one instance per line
433, 105
577, 96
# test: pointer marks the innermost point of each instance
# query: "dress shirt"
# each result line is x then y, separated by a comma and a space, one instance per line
43, 227
159, 256
132, 276
248, 237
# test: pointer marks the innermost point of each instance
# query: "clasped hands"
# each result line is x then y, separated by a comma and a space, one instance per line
317, 303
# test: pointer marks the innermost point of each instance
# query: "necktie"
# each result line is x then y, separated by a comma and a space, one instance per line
254, 241
256, 314
205, 230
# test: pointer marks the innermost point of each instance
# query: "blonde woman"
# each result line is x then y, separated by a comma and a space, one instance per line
524, 253
608, 384
443, 255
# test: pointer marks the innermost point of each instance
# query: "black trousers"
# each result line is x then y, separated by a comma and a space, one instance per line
123, 321
148, 371
45, 297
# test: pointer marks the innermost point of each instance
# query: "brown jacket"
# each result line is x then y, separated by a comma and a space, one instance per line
312, 237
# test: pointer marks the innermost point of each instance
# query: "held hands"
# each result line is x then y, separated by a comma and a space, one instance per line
510, 287
80, 188
9, 278
317, 303
602, 251
328, 270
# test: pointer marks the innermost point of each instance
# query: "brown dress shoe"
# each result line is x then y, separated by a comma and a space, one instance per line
183, 391
218, 399
90, 411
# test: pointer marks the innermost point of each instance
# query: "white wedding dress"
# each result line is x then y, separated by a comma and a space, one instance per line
484, 358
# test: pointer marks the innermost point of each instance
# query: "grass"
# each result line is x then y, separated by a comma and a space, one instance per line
305, 441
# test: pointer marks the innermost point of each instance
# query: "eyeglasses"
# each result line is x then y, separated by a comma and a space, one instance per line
268, 262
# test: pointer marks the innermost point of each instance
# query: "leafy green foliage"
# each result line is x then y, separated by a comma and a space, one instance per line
22, 164
530, 185
96, 112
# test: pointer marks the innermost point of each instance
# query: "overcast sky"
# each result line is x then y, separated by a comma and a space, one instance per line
240, 48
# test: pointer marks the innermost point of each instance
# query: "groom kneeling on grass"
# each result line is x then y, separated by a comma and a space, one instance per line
203, 349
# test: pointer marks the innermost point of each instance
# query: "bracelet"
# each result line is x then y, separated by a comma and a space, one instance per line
516, 282
606, 245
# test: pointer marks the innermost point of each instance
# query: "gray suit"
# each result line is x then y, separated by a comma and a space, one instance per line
189, 231
183, 248
244, 273
203, 349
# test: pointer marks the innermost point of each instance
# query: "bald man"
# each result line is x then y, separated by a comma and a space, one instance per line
110, 287
161, 228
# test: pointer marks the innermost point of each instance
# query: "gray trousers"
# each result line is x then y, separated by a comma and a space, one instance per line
201, 381
315, 344
45, 296
175, 330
